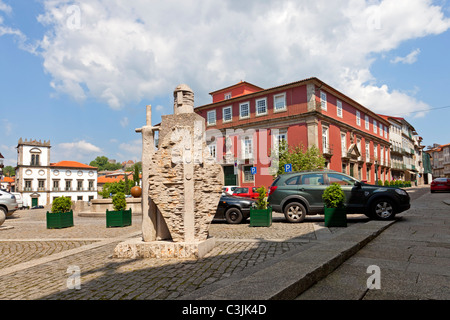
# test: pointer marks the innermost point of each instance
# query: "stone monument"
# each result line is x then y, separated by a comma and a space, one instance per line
181, 186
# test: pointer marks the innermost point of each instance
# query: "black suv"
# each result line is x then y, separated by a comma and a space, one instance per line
233, 209
297, 194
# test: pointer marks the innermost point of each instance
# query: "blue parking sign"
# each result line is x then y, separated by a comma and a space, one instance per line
254, 170
288, 167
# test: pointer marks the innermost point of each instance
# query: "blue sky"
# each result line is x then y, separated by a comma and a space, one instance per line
80, 73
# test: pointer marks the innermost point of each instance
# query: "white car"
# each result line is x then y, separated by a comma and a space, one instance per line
18, 199
229, 189
8, 203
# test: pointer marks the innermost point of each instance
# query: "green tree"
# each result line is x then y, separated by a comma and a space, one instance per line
299, 157
9, 171
115, 187
136, 175
101, 162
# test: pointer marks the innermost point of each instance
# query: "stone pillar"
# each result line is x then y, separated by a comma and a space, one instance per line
181, 186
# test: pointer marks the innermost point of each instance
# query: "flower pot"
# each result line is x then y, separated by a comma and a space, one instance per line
136, 192
335, 217
120, 218
260, 217
59, 220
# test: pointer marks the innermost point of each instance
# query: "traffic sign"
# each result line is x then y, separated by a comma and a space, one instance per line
288, 167
254, 170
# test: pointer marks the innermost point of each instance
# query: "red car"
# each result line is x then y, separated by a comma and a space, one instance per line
246, 192
440, 184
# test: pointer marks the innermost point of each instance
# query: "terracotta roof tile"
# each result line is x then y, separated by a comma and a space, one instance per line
71, 164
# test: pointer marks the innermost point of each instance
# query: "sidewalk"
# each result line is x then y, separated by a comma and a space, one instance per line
413, 257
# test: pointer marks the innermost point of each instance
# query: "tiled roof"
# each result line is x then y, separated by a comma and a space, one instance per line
71, 164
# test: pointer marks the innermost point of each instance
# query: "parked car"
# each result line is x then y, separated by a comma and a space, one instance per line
233, 209
246, 192
18, 199
298, 194
440, 184
8, 203
229, 189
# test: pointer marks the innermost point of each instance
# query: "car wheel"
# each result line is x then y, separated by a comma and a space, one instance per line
4, 211
234, 216
295, 212
383, 209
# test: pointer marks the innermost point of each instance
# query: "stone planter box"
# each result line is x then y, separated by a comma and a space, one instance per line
261, 217
59, 220
335, 217
120, 218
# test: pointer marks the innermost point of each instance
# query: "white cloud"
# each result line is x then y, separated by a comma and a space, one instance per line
124, 122
409, 59
121, 53
131, 150
4, 7
75, 151
6, 127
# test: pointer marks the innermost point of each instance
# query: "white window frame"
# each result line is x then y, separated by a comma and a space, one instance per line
277, 138
374, 126
223, 114
325, 140
381, 129
385, 132
257, 106
358, 118
275, 97
344, 144
248, 175
247, 149
367, 121
227, 96
248, 110
367, 151
323, 100
339, 109
209, 117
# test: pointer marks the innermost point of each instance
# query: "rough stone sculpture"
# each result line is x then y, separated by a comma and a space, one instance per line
182, 185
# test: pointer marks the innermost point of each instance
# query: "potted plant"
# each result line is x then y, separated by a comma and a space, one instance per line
334, 206
61, 215
120, 217
260, 212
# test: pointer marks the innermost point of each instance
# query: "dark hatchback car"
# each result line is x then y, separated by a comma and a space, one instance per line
233, 209
298, 194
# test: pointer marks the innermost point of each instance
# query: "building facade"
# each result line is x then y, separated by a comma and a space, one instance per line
245, 123
40, 182
440, 160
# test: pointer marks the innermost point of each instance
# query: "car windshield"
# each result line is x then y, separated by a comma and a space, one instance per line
441, 180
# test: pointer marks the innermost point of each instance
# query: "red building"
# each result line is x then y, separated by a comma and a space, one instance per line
245, 122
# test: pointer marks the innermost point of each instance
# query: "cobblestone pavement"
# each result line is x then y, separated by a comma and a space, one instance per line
40, 263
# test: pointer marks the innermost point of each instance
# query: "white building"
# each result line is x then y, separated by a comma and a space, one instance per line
40, 181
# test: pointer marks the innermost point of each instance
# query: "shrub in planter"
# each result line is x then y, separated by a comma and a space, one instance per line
61, 215
120, 217
334, 206
119, 202
261, 213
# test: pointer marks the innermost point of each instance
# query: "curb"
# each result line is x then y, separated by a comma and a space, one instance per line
294, 273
